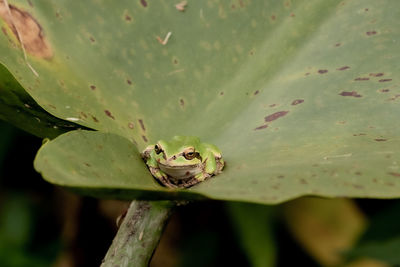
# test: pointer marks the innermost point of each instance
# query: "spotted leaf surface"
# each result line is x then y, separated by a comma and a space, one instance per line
302, 97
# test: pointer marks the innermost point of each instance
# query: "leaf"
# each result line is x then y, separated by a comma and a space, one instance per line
113, 168
300, 96
18, 108
113, 160
254, 228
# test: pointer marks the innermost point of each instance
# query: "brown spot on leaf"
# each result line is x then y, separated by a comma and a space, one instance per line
343, 68
272, 105
384, 80
307, 73
93, 87
384, 90
275, 116
276, 186
338, 44
380, 139
352, 93
83, 115
292, 15
143, 2
273, 17
394, 97
129, 82
108, 113
359, 134
379, 74
94, 118
92, 39
297, 101
371, 33
130, 125
361, 79
396, 174
27, 31
357, 173
366, 9
322, 71
389, 184
256, 92
221, 93
261, 127
281, 176
303, 181
142, 124
182, 102
144, 138
128, 18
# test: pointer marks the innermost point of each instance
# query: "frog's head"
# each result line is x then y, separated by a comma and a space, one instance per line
180, 151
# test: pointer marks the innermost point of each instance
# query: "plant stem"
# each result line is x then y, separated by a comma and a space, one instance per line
138, 234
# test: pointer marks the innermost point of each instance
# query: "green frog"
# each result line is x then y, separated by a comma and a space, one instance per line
183, 162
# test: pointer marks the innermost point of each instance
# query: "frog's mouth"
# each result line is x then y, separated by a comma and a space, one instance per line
181, 172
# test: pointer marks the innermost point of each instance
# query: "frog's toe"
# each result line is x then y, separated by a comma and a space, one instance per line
220, 165
160, 175
202, 176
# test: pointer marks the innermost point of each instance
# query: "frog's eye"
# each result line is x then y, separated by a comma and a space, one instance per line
190, 155
157, 149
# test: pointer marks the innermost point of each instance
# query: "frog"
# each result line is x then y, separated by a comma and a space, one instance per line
183, 161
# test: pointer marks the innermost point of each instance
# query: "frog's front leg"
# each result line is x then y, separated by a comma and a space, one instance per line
161, 176
200, 177
211, 164
190, 182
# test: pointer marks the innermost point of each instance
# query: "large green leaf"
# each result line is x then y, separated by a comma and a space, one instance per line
301, 97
